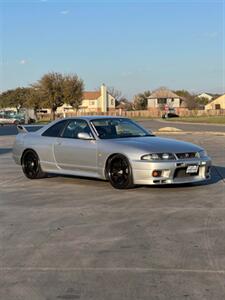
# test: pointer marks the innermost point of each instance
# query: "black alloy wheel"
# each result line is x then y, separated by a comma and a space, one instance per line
31, 165
119, 172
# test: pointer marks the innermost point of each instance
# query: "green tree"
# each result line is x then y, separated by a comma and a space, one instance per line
34, 99
73, 88
141, 100
202, 101
189, 99
51, 90
14, 98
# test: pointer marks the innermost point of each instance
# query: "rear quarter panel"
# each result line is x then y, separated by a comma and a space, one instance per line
43, 146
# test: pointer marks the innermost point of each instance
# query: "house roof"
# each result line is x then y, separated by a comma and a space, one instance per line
209, 94
92, 95
163, 93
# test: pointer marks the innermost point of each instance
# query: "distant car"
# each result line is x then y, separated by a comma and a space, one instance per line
171, 113
109, 148
9, 118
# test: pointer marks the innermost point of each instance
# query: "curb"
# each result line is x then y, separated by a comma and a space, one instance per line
217, 133
190, 123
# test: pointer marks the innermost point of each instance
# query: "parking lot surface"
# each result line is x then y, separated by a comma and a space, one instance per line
74, 238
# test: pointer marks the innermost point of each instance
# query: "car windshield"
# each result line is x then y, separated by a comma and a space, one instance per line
118, 128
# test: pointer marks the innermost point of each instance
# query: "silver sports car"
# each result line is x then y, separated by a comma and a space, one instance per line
110, 148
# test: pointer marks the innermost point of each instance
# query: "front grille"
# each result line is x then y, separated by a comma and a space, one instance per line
186, 155
181, 173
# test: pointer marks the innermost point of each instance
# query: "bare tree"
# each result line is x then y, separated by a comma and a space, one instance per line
116, 94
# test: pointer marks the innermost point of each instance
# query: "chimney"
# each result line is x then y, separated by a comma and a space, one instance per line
104, 98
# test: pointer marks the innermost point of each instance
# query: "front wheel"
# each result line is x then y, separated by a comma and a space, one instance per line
119, 172
31, 165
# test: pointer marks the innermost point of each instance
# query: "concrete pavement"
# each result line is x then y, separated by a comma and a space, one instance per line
74, 238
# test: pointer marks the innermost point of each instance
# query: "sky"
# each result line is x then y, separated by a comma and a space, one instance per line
130, 45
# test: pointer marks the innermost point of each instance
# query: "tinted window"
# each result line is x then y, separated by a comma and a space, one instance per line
74, 127
55, 130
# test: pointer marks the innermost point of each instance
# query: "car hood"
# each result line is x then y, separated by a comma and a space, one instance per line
156, 144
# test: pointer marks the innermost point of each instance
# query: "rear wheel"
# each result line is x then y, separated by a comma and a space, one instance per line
31, 165
119, 172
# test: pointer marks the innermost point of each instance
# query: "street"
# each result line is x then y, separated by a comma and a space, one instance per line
76, 238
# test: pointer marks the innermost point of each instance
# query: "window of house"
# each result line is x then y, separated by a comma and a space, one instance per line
92, 102
162, 101
217, 106
112, 101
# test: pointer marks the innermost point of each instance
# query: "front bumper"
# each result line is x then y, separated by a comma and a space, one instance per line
172, 172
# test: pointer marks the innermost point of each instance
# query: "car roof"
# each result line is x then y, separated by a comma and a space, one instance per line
90, 118
86, 118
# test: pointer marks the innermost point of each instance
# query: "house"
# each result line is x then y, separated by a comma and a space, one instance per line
218, 103
162, 97
93, 101
207, 96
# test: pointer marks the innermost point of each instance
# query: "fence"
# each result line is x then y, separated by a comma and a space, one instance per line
151, 113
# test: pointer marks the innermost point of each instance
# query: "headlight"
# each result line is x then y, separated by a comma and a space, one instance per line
201, 154
158, 156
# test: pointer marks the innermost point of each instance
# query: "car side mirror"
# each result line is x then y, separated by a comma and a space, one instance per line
84, 136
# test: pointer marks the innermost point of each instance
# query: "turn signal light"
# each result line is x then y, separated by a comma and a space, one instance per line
156, 173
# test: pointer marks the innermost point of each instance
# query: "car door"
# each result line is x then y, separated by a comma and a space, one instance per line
74, 154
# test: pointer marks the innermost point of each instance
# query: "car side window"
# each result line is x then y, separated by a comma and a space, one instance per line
56, 129
75, 127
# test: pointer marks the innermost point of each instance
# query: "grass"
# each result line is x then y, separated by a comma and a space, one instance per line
208, 119
42, 122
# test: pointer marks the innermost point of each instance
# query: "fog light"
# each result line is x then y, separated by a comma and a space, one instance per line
156, 173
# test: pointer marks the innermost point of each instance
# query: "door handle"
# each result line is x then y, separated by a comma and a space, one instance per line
59, 143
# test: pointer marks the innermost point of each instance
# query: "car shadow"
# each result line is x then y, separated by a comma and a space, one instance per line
217, 175
82, 178
5, 150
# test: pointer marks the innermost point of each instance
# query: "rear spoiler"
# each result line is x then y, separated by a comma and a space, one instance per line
21, 129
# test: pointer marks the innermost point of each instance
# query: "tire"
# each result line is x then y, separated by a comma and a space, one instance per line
31, 165
119, 172
16, 123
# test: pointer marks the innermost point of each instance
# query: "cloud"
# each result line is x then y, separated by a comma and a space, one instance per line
23, 62
64, 12
211, 35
